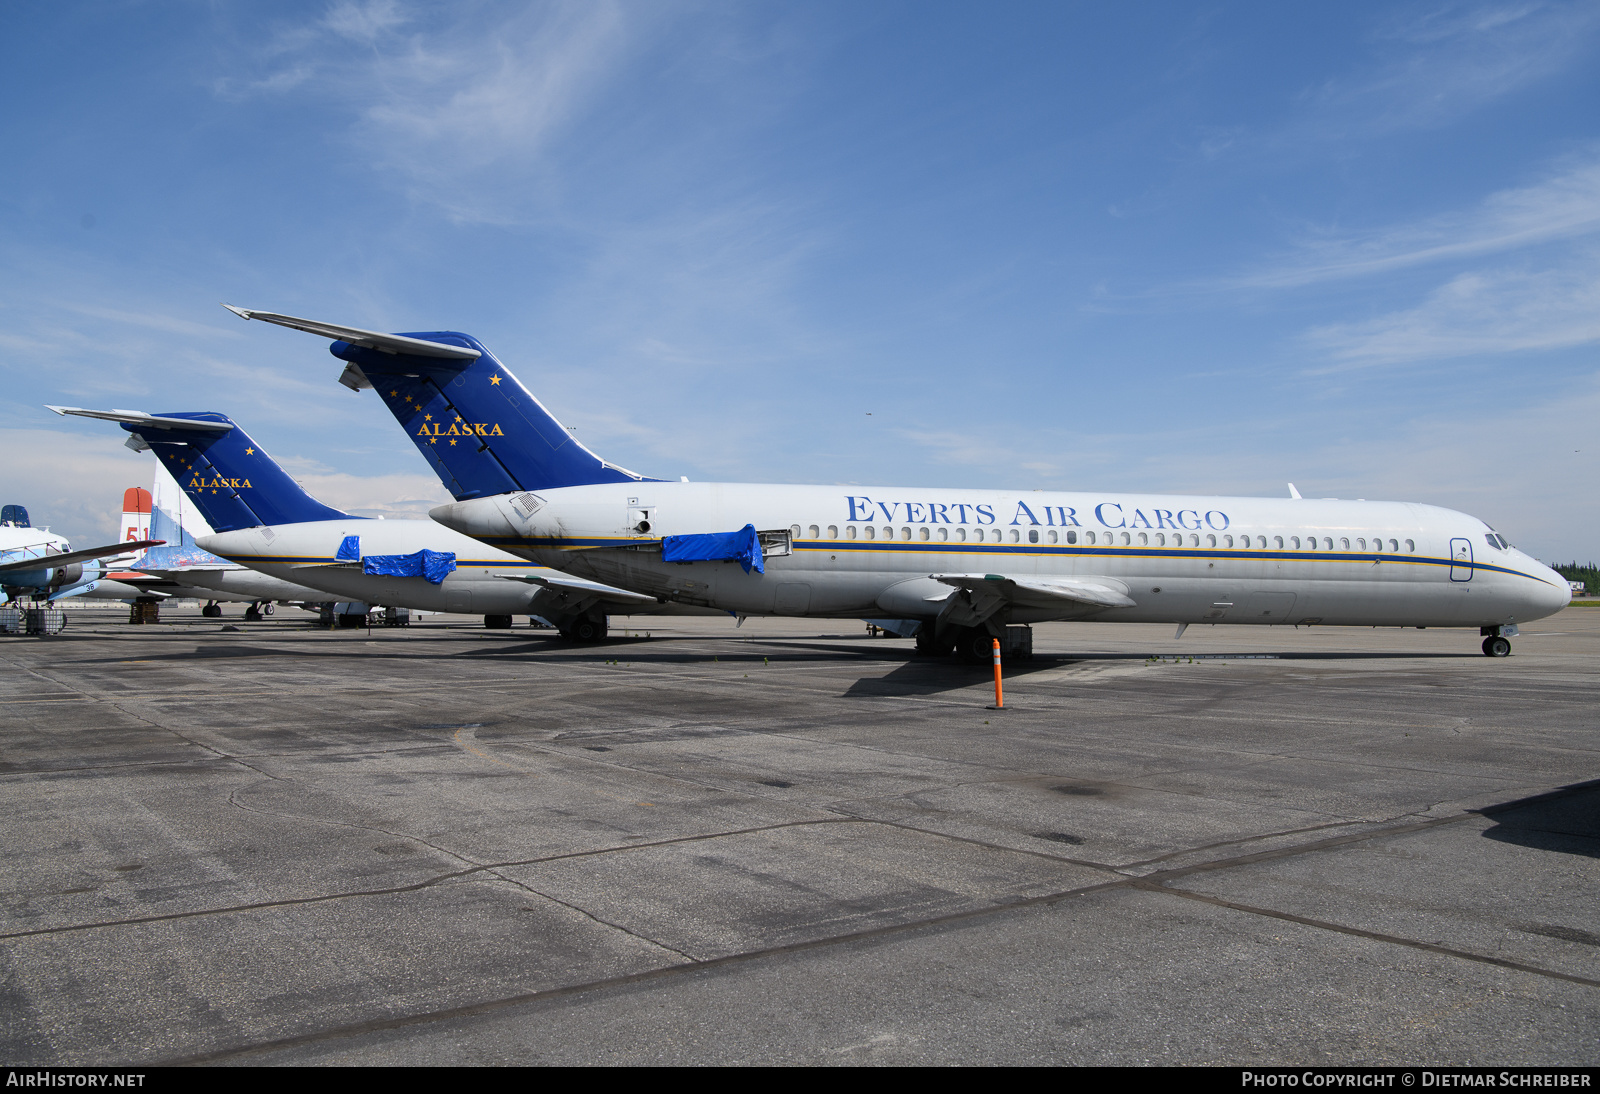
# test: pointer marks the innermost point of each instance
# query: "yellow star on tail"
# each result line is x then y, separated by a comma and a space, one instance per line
494, 381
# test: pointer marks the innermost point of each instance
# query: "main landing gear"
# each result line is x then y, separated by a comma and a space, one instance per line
585, 629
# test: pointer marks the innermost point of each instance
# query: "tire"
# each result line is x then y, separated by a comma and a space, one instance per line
976, 645
269, 608
929, 644
588, 629
252, 613
1495, 646
497, 622
211, 611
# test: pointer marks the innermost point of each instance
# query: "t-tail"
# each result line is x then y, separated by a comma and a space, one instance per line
473, 421
227, 475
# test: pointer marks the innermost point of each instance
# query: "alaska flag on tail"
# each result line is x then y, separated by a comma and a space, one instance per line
483, 432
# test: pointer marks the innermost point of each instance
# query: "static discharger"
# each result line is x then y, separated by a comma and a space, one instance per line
999, 695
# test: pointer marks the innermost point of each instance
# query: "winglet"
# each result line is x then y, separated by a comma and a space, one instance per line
1293, 493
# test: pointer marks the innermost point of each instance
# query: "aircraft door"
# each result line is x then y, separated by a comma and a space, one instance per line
1461, 560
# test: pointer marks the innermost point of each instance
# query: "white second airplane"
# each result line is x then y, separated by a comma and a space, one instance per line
962, 565
263, 519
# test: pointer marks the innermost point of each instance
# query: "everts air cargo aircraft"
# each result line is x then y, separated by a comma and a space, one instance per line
964, 564
262, 518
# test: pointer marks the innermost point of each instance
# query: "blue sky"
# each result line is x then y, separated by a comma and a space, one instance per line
1205, 248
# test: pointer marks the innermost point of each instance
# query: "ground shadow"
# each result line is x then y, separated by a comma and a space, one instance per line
1565, 820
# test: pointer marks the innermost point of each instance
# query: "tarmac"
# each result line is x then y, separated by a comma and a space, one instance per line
792, 843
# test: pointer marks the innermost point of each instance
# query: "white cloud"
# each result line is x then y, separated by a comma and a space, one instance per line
1503, 311
1564, 206
1443, 61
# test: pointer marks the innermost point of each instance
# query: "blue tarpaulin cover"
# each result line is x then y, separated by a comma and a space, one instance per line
743, 545
349, 550
435, 566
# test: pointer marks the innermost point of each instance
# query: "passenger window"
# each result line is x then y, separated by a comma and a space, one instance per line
849, 531
944, 534
922, 534
1088, 537
1033, 535
1411, 546
1227, 541
816, 533
1126, 539
1015, 536
994, 536
1072, 537
1161, 540
1393, 546
870, 532
794, 531
888, 533
1277, 541
905, 534
1344, 544
1051, 536
1361, 545
961, 535
833, 531
1327, 543
1295, 540
1211, 541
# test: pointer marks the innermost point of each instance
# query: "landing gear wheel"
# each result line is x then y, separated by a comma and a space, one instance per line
252, 613
929, 644
497, 622
976, 645
588, 628
269, 608
211, 611
1495, 646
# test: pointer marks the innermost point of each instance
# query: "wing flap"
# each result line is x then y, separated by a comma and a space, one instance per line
1101, 592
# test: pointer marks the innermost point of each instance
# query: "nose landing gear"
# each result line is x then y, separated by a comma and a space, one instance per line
1495, 646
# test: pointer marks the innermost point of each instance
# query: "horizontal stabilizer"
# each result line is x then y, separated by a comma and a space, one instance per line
1035, 593
111, 550
569, 585
139, 417
371, 339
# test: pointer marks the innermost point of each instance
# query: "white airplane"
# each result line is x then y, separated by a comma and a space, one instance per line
964, 566
181, 570
41, 565
262, 518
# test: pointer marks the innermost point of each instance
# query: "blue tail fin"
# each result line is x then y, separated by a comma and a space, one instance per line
231, 480
474, 422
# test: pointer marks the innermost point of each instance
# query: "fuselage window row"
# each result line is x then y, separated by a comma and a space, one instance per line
1104, 539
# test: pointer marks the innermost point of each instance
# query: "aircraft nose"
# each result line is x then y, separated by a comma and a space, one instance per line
1550, 594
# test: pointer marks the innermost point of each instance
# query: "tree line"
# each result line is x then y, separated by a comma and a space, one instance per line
1589, 575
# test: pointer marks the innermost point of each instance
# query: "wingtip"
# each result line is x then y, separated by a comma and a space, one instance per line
242, 313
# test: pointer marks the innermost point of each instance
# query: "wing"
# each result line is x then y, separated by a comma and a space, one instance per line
69, 557
1054, 592
572, 587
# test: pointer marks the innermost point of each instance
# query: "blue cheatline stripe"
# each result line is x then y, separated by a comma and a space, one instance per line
511, 543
